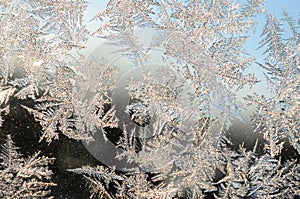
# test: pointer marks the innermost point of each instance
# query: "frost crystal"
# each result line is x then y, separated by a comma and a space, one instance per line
181, 107
23, 178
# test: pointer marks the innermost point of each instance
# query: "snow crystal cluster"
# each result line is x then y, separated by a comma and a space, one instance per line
177, 144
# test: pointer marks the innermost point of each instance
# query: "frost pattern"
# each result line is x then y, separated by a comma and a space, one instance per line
24, 178
186, 107
282, 74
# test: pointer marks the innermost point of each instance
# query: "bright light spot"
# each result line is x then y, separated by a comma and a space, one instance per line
38, 63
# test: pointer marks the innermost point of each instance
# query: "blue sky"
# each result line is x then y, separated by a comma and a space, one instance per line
276, 8
273, 6
292, 6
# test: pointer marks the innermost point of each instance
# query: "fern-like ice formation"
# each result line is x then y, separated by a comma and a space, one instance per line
23, 177
282, 74
186, 106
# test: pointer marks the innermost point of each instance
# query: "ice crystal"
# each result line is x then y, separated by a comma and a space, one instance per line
182, 106
282, 73
23, 177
